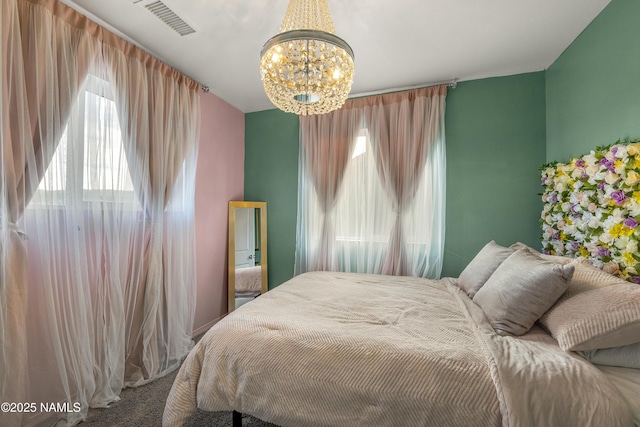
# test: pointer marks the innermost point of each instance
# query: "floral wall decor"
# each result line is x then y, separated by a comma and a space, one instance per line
592, 208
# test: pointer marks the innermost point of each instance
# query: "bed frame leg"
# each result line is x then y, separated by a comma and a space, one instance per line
236, 418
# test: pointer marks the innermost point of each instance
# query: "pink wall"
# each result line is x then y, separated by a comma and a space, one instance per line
219, 178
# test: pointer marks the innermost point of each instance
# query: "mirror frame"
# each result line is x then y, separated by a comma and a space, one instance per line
231, 286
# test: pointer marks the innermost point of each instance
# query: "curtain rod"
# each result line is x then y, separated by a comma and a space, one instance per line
99, 21
451, 83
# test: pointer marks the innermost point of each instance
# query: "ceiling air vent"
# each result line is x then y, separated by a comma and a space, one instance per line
169, 17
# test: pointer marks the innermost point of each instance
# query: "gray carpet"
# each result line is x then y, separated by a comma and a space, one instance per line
143, 406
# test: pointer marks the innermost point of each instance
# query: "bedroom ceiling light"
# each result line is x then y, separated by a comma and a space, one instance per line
306, 68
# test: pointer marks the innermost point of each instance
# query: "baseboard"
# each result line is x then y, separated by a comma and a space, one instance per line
206, 326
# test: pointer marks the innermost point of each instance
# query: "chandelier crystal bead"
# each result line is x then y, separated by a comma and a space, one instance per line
306, 68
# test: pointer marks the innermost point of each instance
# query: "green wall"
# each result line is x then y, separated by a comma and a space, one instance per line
495, 131
495, 134
593, 88
271, 175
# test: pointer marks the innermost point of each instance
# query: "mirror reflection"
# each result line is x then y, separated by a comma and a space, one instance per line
247, 252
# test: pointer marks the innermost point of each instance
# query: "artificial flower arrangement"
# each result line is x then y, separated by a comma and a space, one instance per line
592, 208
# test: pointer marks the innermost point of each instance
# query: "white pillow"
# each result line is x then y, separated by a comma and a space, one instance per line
521, 290
627, 356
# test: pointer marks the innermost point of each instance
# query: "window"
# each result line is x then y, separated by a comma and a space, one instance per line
90, 163
362, 208
365, 215
361, 145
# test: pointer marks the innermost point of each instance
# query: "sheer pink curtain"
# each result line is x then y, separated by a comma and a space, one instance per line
12, 252
43, 66
327, 142
106, 278
371, 191
402, 128
156, 114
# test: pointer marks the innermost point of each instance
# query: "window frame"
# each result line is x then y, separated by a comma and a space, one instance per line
74, 191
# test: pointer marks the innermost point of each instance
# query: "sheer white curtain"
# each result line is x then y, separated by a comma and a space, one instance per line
98, 170
388, 209
159, 117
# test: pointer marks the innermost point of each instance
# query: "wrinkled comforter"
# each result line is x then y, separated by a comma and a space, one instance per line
341, 349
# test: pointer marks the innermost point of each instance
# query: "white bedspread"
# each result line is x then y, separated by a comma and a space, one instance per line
339, 349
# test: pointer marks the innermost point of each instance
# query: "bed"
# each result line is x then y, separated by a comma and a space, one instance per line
342, 349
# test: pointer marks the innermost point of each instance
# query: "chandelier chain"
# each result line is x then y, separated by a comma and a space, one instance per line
308, 14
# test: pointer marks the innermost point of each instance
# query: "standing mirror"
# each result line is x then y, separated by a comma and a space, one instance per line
247, 252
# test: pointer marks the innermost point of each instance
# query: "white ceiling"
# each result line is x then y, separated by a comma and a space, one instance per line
397, 43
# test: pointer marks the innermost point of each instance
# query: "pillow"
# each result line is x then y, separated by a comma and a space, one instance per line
627, 356
482, 266
521, 290
555, 258
600, 317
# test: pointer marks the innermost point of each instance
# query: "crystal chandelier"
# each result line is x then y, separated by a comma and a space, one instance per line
306, 68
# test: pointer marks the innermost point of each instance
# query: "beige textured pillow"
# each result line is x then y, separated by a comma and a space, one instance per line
482, 266
598, 311
521, 290
586, 277
555, 258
